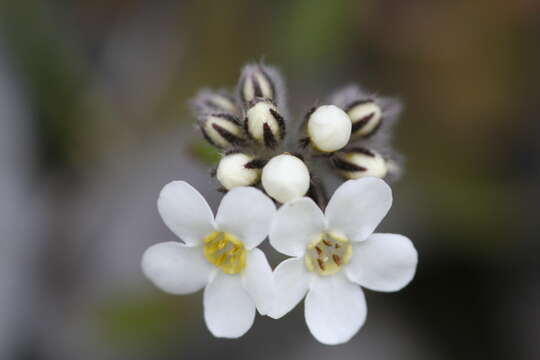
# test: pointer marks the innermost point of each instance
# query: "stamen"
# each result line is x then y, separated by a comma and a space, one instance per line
222, 244
225, 251
232, 250
221, 259
327, 253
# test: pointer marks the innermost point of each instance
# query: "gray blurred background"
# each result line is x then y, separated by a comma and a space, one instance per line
94, 122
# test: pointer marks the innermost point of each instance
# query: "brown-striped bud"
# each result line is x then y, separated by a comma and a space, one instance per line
366, 117
215, 102
222, 130
264, 124
358, 162
255, 83
238, 169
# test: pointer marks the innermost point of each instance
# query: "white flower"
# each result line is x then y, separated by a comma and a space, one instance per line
285, 177
335, 252
219, 255
329, 128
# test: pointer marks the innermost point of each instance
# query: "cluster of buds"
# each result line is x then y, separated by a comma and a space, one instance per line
350, 132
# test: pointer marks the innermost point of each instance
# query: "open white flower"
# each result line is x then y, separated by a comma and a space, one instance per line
335, 252
219, 255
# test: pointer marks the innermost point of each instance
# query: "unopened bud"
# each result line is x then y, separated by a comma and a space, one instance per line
222, 130
359, 162
328, 128
285, 178
208, 101
255, 83
265, 124
366, 117
236, 170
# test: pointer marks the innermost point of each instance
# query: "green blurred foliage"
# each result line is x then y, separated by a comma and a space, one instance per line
147, 322
54, 73
311, 32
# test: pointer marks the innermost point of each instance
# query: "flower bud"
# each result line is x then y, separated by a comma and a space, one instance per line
222, 130
366, 117
359, 162
235, 170
216, 102
265, 124
255, 83
285, 178
328, 128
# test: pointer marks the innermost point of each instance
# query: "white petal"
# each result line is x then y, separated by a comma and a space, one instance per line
176, 268
228, 309
258, 280
291, 282
295, 224
185, 212
384, 262
335, 309
246, 213
358, 206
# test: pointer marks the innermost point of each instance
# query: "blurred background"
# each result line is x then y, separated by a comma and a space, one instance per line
94, 122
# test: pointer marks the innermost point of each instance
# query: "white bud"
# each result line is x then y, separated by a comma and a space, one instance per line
264, 123
359, 162
256, 83
222, 130
233, 170
365, 116
329, 128
285, 178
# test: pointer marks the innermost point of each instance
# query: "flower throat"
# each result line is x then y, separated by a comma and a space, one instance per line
327, 253
225, 251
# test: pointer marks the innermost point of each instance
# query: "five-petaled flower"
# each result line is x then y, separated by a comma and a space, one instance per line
218, 254
333, 253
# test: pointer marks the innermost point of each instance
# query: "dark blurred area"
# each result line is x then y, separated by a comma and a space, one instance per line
94, 122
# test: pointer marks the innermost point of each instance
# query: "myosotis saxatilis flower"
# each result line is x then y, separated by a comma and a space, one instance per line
218, 254
334, 252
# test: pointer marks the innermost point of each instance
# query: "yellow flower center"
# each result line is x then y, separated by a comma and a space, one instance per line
225, 251
327, 253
